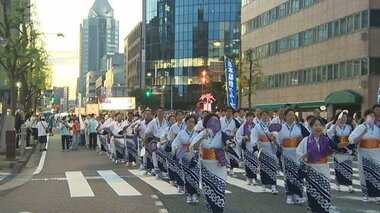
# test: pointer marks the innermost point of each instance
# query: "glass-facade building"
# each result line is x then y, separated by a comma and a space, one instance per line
182, 38
99, 36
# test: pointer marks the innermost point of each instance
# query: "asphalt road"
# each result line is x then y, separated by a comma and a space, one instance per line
84, 181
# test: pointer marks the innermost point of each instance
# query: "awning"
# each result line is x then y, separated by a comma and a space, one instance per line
343, 97
301, 105
310, 105
270, 106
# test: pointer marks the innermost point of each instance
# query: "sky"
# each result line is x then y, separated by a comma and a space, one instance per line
65, 16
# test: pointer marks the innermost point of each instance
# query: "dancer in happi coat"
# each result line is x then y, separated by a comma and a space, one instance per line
251, 162
313, 151
260, 136
367, 135
131, 143
140, 129
153, 132
165, 149
181, 146
212, 163
175, 172
289, 138
229, 126
339, 132
118, 143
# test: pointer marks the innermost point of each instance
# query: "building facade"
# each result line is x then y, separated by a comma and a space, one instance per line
132, 57
314, 52
61, 96
99, 36
182, 38
115, 77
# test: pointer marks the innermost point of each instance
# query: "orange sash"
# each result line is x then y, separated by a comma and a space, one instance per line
208, 154
369, 144
290, 142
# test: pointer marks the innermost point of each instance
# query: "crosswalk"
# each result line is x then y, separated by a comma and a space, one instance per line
79, 186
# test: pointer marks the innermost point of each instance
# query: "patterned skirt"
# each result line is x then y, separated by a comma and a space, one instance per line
294, 184
369, 167
131, 151
343, 169
318, 187
175, 172
251, 164
268, 169
232, 158
208, 179
119, 145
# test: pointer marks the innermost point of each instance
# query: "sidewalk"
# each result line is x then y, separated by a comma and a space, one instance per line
9, 169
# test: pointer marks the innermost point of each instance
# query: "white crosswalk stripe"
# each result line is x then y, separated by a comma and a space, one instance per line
78, 185
160, 185
119, 185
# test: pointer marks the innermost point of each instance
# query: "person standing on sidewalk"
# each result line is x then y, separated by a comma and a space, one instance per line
65, 133
91, 130
42, 130
76, 134
28, 125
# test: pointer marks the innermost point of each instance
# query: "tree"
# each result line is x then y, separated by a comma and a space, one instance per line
23, 57
252, 77
151, 101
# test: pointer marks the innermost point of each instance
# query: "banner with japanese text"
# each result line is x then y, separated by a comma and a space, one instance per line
231, 83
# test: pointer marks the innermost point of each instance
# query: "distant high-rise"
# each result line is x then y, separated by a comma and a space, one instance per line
99, 35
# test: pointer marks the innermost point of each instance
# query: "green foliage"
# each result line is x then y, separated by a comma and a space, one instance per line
22, 57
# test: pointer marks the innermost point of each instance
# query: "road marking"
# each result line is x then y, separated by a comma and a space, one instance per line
162, 186
163, 211
78, 185
42, 161
158, 203
119, 185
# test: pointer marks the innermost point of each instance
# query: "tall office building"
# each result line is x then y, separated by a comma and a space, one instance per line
314, 52
99, 36
181, 40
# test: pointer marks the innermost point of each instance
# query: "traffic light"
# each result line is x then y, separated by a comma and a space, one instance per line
148, 93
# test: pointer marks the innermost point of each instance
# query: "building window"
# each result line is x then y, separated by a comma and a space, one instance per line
350, 24
374, 65
324, 73
336, 72
357, 21
356, 67
300, 77
349, 69
375, 18
365, 19
342, 70
330, 72
336, 28
304, 76
343, 26
330, 30
295, 5
364, 66
322, 33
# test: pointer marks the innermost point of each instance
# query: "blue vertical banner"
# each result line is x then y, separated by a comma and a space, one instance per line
378, 94
231, 83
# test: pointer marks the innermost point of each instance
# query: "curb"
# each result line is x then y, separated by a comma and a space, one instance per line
18, 165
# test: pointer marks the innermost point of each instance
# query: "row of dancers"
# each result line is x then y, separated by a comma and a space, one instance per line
197, 153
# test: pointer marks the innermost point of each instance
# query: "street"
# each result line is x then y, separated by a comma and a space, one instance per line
84, 181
